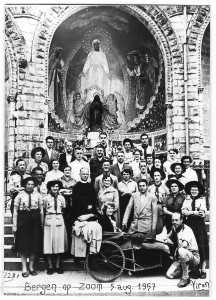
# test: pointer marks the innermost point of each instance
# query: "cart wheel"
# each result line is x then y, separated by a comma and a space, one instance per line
108, 264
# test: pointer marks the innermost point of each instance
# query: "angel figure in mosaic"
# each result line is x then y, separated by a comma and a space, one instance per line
56, 65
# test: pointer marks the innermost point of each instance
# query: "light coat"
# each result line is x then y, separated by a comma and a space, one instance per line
145, 213
110, 194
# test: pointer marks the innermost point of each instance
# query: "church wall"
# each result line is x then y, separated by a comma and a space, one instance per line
31, 108
205, 55
30, 112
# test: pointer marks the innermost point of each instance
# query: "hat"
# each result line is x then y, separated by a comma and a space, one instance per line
37, 149
186, 157
153, 170
127, 170
190, 184
171, 181
172, 167
25, 180
52, 183
128, 141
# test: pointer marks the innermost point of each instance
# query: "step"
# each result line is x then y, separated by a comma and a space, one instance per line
15, 264
8, 239
8, 228
8, 252
8, 219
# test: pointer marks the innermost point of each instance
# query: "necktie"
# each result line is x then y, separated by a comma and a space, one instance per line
29, 201
193, 204
21, 175
145, 150
157, 191
55, 207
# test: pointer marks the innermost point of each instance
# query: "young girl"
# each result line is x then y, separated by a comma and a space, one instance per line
55, 235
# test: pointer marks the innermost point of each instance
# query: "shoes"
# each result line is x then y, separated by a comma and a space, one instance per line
183, 282
59, 271
33, 273
203, 275
50, 271
25, 274
195, 274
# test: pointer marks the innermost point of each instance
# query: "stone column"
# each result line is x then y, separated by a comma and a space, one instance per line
11, 130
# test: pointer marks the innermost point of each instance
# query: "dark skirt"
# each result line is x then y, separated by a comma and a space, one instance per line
199, 229
28, 239
123, 203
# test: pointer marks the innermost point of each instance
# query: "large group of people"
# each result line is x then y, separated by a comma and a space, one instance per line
63, 203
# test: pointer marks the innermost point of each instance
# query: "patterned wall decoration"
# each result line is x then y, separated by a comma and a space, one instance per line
156, 117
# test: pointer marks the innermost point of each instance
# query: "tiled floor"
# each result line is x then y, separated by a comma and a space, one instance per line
80, 283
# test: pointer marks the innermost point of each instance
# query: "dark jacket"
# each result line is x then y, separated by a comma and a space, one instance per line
105, 223
115, 170
62, 160
84, 200
54, 155
95, 168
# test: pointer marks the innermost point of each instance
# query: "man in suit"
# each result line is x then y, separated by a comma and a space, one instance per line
145, 211
96, 163
98, 185
50, 154
67, 157
143, 172
117, 168
145, 147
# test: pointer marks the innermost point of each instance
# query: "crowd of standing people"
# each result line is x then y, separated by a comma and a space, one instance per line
63, 203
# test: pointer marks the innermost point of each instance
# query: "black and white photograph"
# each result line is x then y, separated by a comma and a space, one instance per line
107, 141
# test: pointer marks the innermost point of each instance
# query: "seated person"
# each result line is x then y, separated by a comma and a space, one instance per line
186, 250
107, 220
84, 216
109, 194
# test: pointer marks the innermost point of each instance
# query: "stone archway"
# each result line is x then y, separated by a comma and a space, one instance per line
195, 33
196, 30
151, 16
15, 54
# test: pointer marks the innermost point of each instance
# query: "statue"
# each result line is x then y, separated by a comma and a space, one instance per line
95, 115
96, 112
55, 82
96, 70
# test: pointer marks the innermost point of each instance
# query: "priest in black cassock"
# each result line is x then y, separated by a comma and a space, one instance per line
84, 215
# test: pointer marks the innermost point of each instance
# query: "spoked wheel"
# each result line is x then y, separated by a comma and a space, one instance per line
108, 264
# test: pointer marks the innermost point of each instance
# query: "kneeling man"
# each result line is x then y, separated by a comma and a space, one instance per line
186, 254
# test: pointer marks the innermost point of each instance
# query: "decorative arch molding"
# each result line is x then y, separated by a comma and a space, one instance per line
26, 11
12, 60
16, 46
196, 30
152, 17
56, 15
